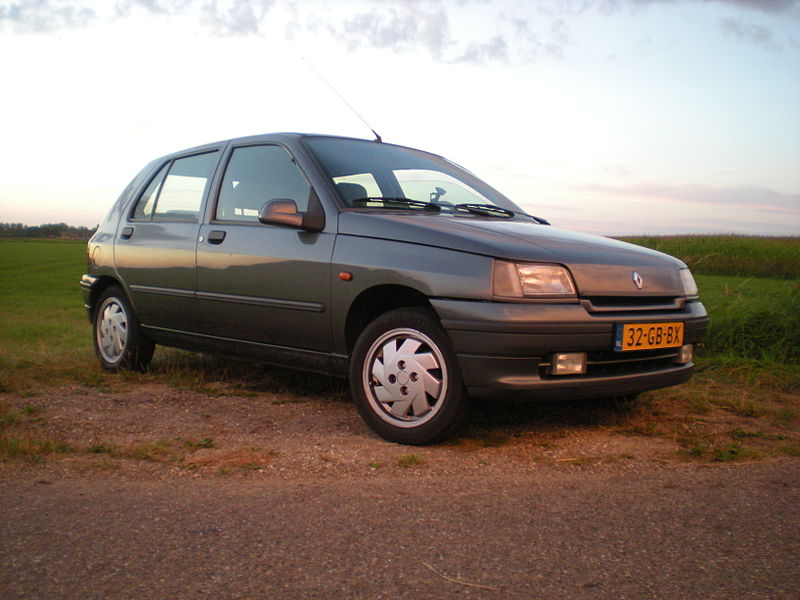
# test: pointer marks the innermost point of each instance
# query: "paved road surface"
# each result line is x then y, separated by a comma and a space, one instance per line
677, 531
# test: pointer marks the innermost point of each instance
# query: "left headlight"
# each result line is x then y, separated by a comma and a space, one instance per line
689, 285
531, 280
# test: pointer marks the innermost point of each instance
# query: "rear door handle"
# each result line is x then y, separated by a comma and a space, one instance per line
216, 236
127, 232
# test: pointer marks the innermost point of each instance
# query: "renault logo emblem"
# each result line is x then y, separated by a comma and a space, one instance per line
637, 280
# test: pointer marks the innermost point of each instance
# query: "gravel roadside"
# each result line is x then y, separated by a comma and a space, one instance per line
589, 531
170, 493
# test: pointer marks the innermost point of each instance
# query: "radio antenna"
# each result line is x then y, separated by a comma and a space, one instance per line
310, 66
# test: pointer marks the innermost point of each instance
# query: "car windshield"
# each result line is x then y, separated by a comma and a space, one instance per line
371, 174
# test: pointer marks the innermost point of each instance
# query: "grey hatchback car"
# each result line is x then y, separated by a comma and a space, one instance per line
386, 264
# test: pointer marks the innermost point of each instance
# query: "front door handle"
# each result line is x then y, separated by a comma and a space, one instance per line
216, 236
126, 233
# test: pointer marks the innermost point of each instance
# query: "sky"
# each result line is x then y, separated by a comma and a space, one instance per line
604, 116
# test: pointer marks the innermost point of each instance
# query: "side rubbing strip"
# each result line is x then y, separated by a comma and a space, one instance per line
149, 289
258, 301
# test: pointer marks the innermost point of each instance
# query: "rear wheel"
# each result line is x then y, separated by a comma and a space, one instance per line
119, 341
405, 378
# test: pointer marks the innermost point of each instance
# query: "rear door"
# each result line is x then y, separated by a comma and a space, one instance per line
263, 283
155, 248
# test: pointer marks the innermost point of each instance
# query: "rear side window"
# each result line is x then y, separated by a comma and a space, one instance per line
176, 193
256, 175
144, 208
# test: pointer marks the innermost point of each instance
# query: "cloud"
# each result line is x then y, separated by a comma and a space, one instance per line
156, 7
778, 7
768, 6
437, 28
400, 27
496, 49
432, 27
748, 32
222, 17
239, 17
751, 197
42, 16
507, 32
527, 42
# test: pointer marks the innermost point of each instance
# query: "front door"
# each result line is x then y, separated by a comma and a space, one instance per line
263, 283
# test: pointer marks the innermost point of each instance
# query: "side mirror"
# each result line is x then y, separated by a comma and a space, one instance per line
281, 212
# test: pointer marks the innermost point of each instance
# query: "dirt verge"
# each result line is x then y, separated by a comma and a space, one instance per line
154, 429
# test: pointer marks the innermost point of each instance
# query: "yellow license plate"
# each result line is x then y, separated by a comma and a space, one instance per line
647, 336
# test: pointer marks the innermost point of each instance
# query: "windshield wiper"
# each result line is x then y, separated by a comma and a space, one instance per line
389, 200
486, 210
490, 210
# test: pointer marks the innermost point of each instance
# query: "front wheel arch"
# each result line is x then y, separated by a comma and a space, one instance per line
376, 301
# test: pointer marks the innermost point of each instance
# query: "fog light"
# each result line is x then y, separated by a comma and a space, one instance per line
568, 363
685, 354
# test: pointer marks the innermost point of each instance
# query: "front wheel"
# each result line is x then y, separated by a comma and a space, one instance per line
405, 378
119, 341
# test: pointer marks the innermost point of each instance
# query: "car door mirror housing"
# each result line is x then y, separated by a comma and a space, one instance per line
283, 211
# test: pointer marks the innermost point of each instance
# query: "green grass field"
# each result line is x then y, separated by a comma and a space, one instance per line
44, 332
751, 288
743, 402
755, 320
752, 318
774, 258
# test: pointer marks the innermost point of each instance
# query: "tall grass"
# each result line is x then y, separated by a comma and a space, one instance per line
752, 318
777, 258
751, 288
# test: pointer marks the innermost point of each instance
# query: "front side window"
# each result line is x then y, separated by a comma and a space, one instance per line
254, 176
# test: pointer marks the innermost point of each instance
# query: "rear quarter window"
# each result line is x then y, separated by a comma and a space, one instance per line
177, 191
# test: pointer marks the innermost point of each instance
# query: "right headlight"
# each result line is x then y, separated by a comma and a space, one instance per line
689, 285
531, 280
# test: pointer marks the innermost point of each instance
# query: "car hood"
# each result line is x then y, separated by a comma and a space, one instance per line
600, 266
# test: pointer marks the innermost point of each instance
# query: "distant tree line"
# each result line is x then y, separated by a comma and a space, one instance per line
48, 230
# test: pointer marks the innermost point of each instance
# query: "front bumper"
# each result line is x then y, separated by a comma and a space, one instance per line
87, 283
505, 348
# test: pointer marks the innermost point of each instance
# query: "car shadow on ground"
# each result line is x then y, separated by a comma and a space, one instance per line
486, 419
182, 367
514, 417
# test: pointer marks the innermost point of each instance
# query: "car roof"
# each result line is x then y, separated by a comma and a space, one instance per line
281, 138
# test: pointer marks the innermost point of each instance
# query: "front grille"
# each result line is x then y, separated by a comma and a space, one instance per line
611, 304
607, 363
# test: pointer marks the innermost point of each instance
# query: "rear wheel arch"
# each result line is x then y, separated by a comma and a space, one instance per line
119, 341
101, 285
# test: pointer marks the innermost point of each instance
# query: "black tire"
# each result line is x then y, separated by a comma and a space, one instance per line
119, 341
416, 396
